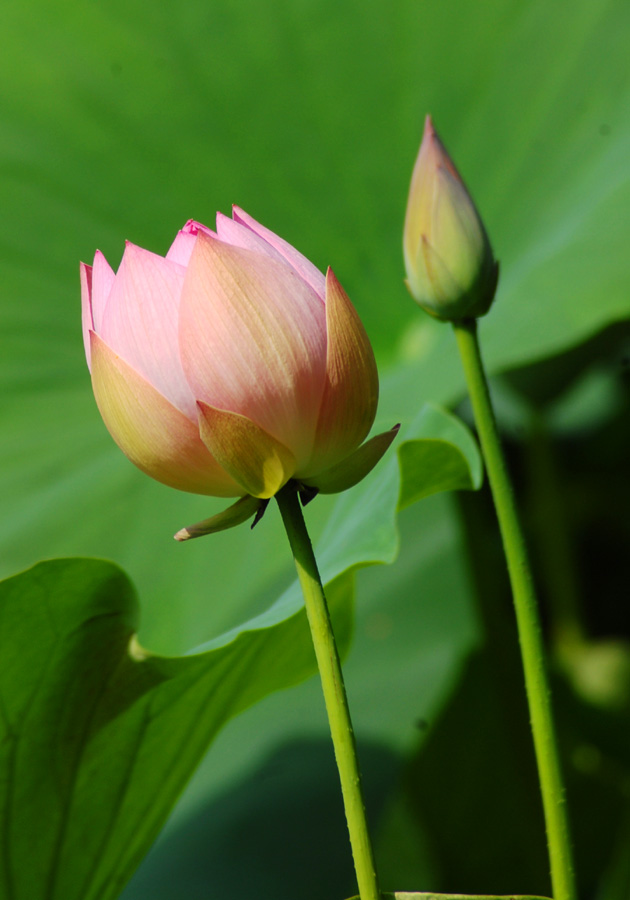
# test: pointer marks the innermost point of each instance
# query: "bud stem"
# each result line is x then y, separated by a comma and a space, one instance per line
527, 616
333, 689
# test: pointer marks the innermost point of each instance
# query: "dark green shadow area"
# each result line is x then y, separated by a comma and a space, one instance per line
277, 835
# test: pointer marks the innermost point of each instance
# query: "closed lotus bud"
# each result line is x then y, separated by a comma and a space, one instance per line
231, 365
451, 271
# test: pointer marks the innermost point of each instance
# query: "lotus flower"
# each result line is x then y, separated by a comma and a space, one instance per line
232, 364
451, 271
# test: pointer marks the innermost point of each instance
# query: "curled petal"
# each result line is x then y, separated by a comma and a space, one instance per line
351, 391
355, 467
253, 340
255, 459
303, 266
141, 319
234, 515
150, 431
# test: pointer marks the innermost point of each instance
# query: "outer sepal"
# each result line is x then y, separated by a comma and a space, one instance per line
353, 468
234, 515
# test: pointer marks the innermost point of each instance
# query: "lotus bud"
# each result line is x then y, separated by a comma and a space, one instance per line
230, 366
451, 271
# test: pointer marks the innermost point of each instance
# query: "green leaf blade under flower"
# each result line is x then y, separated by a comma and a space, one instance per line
447, 461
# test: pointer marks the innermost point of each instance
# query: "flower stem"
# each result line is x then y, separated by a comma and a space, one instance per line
333, 688
527, 617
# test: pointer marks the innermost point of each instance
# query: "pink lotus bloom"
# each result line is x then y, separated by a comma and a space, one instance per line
231, 365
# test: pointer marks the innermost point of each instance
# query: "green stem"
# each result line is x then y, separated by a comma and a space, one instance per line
527, 618
333, 688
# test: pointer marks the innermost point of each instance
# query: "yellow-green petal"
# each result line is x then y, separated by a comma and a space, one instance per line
150, 431
351, 388
255, 459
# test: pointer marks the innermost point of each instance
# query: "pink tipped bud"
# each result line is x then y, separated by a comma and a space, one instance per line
451, 271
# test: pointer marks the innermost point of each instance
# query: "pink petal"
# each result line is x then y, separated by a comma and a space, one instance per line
150, 431
103, 278
350, 396
96, 284
253, 341
141, 323
85, 274
303, 266
182, 246
194, 227
232, 232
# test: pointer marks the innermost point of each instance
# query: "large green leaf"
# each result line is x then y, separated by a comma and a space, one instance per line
448, 461
101, 736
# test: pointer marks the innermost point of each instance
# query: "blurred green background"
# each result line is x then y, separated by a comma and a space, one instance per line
121, 120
